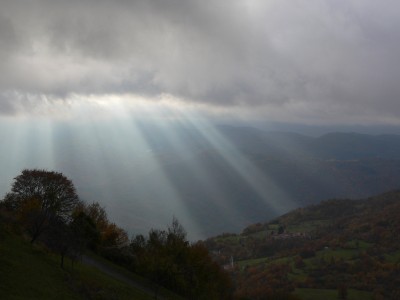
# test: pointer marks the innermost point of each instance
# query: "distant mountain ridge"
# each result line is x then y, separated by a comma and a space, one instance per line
335, 145
239, 175
212, 178
306, 169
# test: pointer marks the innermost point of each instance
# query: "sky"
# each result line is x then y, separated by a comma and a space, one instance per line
302, 61
103, 91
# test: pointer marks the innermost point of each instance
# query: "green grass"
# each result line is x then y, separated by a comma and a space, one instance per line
101, 286
263, 260
142, 281
393, 257
346, 254
229, 239
358, 244
318, 294
307, 226
298, 275
29, 272
252, 262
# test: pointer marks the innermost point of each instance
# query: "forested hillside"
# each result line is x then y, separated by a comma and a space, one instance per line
339, 248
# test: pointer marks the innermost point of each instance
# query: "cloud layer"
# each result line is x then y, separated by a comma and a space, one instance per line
299, 60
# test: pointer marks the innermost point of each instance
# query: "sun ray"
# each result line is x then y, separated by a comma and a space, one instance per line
123, 154
138, 193
27, 144
261, 183
181, 148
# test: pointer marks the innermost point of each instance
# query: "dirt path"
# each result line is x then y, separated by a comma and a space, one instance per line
121, 277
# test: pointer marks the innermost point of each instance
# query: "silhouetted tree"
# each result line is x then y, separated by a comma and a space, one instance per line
70, 239
98, 214
38, 196
167, 258
85, 231
59, 238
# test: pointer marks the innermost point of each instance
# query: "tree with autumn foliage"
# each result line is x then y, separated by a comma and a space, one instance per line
46, 205
39, 196
111, 236
168, 259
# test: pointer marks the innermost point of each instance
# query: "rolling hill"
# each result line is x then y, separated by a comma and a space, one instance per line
338, 246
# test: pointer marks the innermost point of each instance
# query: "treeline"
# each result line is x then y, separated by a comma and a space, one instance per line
45, 206
168, 259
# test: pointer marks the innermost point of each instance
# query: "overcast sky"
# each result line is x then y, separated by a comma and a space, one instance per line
312, 61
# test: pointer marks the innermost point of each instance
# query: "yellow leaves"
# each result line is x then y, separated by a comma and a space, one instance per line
114, 236
111, 236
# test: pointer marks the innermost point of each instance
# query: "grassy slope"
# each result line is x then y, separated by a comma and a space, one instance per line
28, 272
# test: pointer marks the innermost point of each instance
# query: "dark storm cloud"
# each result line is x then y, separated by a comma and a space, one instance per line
297, 59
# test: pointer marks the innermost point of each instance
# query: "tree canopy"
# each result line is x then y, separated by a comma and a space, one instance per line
55, 192
167, 258
40, 196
